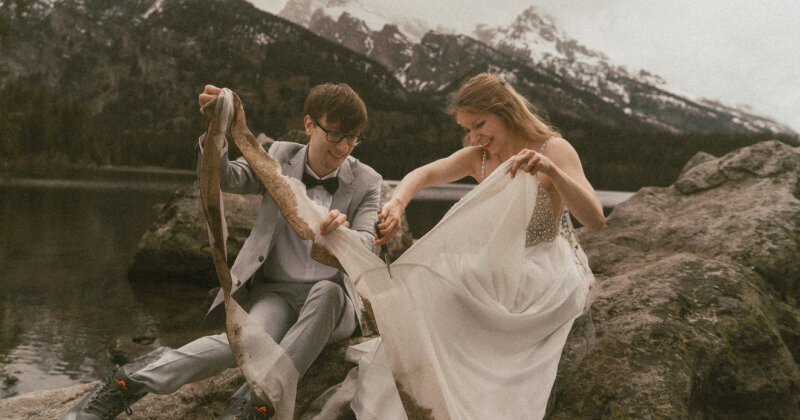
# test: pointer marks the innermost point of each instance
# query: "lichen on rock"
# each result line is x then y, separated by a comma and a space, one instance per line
695, 312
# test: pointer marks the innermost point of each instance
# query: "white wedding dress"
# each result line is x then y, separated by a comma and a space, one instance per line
476, 315
473, 318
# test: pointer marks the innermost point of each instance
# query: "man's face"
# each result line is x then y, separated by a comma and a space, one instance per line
323, 156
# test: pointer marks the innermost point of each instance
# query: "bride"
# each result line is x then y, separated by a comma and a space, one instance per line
487, 315
499, 124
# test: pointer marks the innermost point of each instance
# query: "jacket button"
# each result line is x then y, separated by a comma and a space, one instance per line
260, 258
238, 282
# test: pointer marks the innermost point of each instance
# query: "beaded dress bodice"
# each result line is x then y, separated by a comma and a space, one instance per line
542, 227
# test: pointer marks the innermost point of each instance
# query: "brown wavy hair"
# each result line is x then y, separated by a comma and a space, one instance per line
340, 104
488, 93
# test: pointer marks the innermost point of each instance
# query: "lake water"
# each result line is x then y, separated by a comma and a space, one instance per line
64, 294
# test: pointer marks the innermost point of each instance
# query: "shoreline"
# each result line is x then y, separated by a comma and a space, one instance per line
54, 173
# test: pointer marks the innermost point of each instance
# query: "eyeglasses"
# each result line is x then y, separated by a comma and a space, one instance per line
337, 137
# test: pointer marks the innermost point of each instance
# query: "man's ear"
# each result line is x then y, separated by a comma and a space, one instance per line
309, 124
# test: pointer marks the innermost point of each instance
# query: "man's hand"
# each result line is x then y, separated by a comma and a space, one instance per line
333, 220
209, 94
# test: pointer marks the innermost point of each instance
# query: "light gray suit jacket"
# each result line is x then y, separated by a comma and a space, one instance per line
358, 197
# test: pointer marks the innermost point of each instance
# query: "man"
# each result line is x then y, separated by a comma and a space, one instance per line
302, 304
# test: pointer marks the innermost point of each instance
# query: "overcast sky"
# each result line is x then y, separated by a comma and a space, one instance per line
742, 52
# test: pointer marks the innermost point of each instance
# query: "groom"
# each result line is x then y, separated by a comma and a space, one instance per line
302, 304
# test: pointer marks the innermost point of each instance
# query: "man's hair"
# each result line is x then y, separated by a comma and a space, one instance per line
340, 104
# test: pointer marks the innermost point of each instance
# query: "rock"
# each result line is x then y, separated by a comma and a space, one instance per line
264, 140
695, 308
176, 245
127, 349
697, 159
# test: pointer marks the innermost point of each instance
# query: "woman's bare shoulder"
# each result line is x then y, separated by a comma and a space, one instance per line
469, 154
559, 148
469, 158
557, 144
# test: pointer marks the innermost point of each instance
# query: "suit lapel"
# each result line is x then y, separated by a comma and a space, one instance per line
296, 164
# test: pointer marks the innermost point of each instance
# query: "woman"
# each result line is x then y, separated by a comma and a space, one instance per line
498, 125
475, 315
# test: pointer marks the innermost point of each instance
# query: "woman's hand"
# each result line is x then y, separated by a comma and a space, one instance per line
390, 219
532, 162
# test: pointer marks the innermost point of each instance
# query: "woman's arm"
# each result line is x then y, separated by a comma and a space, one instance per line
563, 167
449, 169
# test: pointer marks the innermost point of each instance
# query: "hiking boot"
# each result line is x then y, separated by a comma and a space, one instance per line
246, 405
108, 399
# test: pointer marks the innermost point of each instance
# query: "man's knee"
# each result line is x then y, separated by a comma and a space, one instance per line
327, 293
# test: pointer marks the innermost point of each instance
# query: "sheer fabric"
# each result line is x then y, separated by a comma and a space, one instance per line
472, 321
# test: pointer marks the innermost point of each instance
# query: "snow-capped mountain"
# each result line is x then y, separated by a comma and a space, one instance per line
543, 62
371, 16
535, 37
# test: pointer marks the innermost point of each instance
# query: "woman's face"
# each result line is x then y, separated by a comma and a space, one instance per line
484, 129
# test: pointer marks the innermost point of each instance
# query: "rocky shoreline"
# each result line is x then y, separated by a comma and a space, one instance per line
694, 314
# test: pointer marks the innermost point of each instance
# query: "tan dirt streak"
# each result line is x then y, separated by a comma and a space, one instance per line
212, 205
269, 172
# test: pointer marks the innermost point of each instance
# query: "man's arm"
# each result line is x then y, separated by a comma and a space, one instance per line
235, 177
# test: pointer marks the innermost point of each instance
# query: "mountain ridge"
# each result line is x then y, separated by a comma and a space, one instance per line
536, 42
98, 82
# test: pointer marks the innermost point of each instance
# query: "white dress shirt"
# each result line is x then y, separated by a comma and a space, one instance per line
290, 259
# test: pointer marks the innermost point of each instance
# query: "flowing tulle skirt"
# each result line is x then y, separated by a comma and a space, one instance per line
472, 322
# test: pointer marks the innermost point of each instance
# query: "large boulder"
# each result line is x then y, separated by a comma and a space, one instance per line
176, 245
695, 309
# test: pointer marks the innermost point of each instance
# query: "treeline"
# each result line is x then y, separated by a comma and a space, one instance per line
34, 121
37, 123
626, 159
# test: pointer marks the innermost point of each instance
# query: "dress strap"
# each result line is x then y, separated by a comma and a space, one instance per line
543, 145
483, 166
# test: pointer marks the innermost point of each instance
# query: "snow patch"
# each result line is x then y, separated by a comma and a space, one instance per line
158, 6
263, 39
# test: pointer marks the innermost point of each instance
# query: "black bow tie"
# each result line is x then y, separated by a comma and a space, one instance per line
330, 184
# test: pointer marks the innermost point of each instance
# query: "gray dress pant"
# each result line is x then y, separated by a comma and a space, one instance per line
301, 317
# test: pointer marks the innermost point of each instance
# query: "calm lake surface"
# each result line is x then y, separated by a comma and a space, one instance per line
64, 294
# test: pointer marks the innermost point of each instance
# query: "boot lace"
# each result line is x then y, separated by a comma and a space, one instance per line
109, 401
